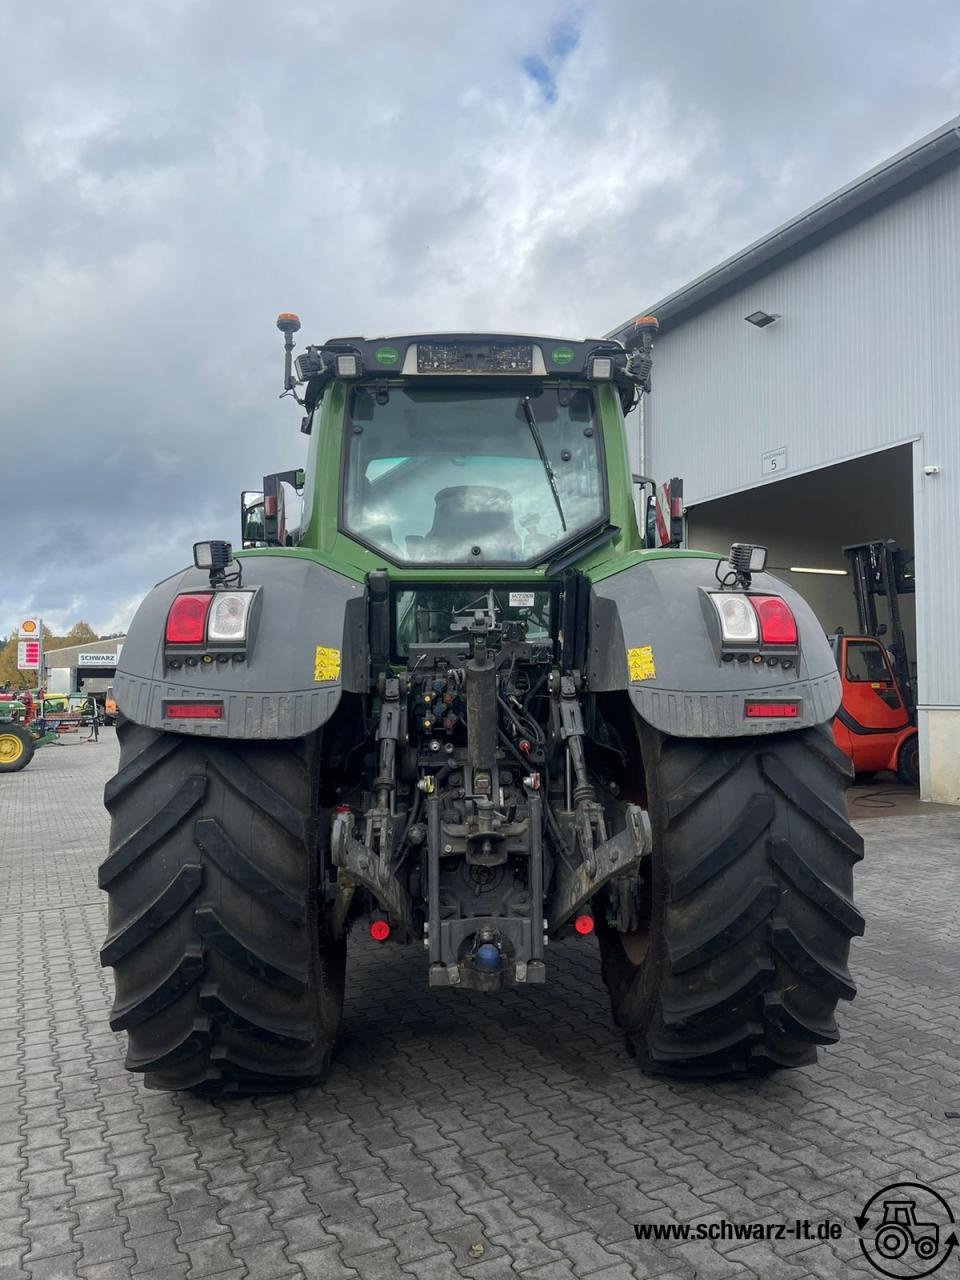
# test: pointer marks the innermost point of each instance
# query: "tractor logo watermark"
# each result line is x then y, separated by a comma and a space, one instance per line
907, 1230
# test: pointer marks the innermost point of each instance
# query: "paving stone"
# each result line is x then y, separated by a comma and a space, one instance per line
516, 1121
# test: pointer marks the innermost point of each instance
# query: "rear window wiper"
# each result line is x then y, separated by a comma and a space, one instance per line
527, 408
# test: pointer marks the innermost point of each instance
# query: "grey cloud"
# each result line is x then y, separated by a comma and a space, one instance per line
171, 176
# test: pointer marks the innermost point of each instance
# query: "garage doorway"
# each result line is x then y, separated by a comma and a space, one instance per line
805, 520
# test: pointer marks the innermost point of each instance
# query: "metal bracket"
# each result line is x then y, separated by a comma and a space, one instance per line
622, 853
357, 868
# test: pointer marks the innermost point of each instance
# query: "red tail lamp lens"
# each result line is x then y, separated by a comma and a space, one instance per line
771, 710
379, 930
777, 623
193, 711
583, 925
187, 619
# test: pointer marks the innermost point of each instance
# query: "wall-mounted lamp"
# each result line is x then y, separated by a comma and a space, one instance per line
760, 318
798, 568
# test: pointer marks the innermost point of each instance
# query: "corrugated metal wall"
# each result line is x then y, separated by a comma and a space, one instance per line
866, 354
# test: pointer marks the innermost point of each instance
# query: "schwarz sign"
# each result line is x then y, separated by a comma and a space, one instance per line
97, 659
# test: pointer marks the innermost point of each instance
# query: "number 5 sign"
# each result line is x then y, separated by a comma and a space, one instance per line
773, 462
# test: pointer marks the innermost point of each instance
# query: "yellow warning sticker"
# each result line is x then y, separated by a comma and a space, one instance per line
641, 664
326, 664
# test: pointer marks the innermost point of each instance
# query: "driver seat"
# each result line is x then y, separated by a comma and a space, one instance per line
469, 515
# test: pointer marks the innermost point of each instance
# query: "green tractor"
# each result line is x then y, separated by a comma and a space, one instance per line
21, 731
467, 704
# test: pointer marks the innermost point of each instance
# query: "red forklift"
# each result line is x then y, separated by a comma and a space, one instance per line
876, 725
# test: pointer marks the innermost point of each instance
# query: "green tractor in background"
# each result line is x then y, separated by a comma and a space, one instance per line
466, 703
21, 730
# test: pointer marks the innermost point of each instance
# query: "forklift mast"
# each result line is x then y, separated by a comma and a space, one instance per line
883, 569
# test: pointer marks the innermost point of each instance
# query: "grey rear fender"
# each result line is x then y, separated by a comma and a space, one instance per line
308, 644
680, 683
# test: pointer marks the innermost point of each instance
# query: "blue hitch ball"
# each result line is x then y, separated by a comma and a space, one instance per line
487, 956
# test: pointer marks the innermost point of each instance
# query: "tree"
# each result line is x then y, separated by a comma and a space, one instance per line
8, 666
79, 633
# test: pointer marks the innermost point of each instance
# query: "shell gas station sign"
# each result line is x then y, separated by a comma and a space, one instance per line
29, 645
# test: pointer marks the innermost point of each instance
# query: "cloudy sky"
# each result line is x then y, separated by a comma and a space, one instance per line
174, 173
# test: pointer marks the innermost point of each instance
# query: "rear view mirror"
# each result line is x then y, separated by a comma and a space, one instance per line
251, 519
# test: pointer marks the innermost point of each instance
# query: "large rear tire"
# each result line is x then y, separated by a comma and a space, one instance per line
750, 906
224, 980
16, 746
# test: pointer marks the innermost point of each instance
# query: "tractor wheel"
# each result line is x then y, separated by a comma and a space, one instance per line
224, 980
744, 956
16, 747
908, 762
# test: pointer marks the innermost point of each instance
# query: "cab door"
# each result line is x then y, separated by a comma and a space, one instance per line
872, 714
870, 695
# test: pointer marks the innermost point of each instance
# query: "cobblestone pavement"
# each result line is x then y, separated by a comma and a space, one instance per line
459, 1135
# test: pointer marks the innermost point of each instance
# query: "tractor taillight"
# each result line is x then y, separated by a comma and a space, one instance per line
583, 925
777, 623
771, 710
753, 619
228, 617
738, 622
379, 930
193, 711
187, 619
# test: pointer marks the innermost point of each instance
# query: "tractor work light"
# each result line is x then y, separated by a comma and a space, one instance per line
349, 366
600, 368
307, 365
212, 555
745, 558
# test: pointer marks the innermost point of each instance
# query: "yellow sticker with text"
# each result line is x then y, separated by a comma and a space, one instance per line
641, 664
326, 663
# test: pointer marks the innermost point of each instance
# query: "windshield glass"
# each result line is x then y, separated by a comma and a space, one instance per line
456, 476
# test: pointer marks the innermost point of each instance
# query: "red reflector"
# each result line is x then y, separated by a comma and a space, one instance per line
379, 930
583, 925
777, 623
187, 619
193, 711
771, 710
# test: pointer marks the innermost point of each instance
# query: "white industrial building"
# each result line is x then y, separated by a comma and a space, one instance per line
836, 418
87, 668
